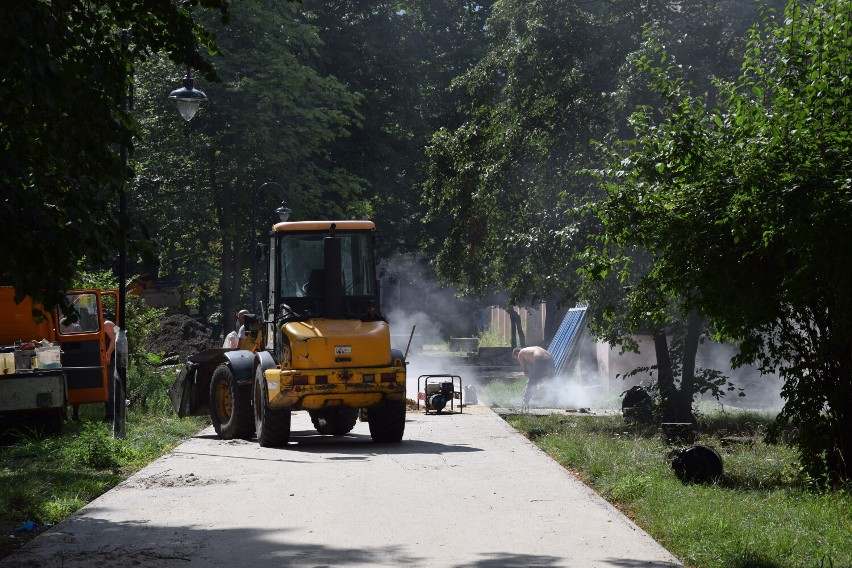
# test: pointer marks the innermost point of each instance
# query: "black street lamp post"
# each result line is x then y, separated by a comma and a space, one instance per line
188, 100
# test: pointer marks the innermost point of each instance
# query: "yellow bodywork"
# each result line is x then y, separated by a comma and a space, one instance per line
336, 363
347, 225
353, 388
326, 343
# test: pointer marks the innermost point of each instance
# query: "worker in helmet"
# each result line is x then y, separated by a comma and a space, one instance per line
537, 365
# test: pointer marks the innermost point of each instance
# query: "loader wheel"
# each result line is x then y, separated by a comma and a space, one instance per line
334, 421
387, 421
271, 424
230, 405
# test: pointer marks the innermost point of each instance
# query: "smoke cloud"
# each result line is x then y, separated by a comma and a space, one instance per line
414, 301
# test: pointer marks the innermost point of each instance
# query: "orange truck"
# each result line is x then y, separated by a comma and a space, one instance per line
50, 362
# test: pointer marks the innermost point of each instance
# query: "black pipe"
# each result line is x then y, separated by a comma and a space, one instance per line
333, 276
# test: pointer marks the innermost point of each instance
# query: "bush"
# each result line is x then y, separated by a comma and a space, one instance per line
491, 338
94, 447
147, 387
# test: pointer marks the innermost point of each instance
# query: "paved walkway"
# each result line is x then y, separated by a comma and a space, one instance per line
462, 490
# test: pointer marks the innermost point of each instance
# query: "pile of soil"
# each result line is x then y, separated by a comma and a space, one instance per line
182, 336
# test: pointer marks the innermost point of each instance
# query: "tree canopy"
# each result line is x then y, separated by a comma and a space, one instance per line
507, 174
65, 72
744, 207
264, 136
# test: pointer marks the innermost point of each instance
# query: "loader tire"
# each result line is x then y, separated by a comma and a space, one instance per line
271, 424
230, 405
334, 421
387, 421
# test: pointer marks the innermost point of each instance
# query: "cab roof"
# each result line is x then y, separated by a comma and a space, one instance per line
324, 225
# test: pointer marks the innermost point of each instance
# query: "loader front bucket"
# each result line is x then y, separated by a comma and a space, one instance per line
190, 393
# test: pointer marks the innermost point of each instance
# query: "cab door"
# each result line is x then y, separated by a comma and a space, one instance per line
83, 345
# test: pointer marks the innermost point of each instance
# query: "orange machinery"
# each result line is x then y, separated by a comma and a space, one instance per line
25, 385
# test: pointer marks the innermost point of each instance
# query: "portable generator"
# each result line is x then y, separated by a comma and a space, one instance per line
436, 391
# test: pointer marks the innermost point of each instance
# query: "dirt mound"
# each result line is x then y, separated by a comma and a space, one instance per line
181, 335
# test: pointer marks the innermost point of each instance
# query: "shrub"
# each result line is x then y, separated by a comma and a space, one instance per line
94, 447
147, 387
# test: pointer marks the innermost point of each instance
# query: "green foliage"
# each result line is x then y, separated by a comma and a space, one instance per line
506, 175
94, 447
399, 58
66, 70
147, 387
142, 321
491, 338
758, 514
745, 210
202, 186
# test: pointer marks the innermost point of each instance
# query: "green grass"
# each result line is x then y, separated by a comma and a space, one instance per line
45, 479
492, 338
761, 513
504, 393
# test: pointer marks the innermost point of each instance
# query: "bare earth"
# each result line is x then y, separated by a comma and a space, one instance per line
462, 490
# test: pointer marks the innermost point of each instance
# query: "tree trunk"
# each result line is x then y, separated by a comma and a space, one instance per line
231, 265
842, 458
515, 319
665, 375
676, 402
227, 279
688, 388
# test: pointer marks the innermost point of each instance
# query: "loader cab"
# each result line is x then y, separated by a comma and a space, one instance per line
323, 270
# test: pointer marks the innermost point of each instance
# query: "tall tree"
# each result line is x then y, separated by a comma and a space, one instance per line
65, 72
400, 57
707, 41
554, 78
744, 209
273, 118
508, 173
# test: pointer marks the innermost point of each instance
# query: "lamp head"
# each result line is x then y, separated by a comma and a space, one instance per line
284, 212
188, 98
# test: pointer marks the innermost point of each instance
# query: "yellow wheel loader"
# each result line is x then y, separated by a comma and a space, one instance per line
319, 343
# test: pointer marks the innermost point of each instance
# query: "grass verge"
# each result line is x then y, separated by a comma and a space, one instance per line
761, 513
45, 479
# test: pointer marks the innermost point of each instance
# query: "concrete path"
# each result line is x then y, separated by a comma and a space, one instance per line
462, 490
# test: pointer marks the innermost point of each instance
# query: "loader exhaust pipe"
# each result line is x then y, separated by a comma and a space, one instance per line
333, 275
410, 337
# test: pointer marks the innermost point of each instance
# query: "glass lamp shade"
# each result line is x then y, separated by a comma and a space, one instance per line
283, 213
188, 99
